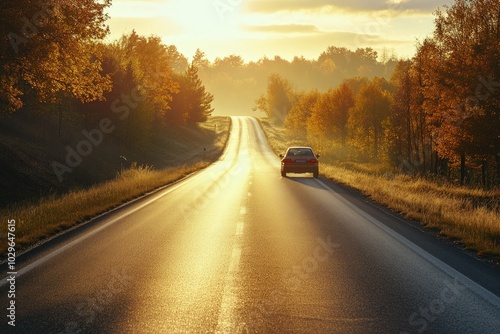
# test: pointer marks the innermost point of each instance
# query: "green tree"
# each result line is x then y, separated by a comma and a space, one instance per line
192, 103
178, 62
200, 60
201, 100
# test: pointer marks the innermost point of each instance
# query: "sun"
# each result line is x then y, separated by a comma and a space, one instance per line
182, 21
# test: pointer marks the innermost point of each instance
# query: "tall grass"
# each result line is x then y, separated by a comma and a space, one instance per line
471, 217
50, 216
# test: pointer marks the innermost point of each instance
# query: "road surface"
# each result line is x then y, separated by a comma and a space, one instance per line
236, 248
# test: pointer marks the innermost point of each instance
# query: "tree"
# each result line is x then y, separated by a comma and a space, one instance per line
178, 62
50, 48
230, 64
152, 70
297, 120
401, 130
368, 115
181, 103
192, 103
343, 101
462, 80
201, 100
279, 99
330, 114
200, 60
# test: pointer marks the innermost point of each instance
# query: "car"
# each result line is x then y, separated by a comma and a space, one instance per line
299, 159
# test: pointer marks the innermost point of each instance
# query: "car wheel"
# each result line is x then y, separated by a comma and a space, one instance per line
316, 174
283, 174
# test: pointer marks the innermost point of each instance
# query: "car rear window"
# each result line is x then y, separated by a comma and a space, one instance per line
296, 152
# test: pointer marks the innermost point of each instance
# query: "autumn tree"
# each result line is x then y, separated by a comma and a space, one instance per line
297, 120
343, 101
368, 115
152, 69
330, 114
181, 103
279, 99
406, 132
462, 81
50, 48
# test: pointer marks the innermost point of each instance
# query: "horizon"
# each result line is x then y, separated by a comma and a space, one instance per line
264, 29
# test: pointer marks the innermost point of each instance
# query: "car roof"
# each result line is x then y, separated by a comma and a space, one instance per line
299, 147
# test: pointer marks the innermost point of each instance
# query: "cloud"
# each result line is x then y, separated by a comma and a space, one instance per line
309, 45
283, 28
312, 45
351, 6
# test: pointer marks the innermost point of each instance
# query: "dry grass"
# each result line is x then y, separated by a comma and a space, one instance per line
53, 215
50, 216
469, 216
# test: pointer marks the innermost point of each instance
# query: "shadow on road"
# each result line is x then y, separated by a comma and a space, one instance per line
304, 179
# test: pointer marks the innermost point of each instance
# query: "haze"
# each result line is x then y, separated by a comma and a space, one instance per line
256, 29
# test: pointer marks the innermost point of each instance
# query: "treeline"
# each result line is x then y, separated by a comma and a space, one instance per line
236, 83
438, 113
54, 60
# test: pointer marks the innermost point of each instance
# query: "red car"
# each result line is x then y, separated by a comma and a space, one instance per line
299, 160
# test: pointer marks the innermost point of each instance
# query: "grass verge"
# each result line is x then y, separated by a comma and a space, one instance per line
470, 217
50, 216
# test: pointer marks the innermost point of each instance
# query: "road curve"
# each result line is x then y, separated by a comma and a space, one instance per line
236, 248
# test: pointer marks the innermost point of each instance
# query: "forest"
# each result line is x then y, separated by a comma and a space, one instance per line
55, 61
436, 114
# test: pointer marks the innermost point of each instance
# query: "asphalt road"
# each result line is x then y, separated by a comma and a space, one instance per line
236, 248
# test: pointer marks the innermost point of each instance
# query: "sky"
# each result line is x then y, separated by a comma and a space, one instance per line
254, 29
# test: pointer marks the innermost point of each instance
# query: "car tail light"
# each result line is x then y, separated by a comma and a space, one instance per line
313, 161
287, 161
